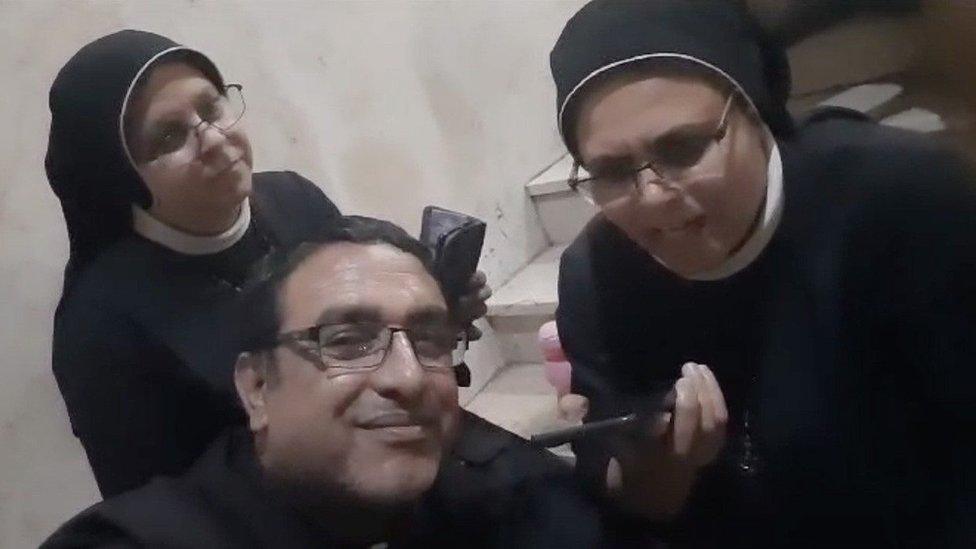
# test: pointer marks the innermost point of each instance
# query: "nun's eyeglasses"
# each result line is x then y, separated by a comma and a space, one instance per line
670, 163
357, 347
221, 112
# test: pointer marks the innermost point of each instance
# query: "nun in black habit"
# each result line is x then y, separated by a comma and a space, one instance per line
812, 288
150, 160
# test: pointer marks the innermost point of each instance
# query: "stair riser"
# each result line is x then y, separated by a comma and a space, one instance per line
563, 215
517, 337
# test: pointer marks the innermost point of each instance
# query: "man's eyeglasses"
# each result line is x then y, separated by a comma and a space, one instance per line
364, 346
221, 112
670, 163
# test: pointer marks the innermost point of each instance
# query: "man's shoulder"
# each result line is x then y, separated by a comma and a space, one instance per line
213, 505
483, 443
490, 465
499, 487
162, 513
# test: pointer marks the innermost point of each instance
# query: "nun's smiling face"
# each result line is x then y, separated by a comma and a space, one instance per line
703, 211
197, 173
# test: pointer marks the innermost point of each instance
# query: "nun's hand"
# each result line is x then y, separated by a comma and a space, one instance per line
655, 474
471, 306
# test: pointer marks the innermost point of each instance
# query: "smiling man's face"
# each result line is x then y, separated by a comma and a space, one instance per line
376, 435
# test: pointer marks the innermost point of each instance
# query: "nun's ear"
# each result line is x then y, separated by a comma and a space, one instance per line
252, 374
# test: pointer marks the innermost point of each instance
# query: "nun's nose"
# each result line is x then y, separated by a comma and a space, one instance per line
655, 192
210, 137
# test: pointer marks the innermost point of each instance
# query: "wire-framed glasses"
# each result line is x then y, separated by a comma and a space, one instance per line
221, 112
671, 163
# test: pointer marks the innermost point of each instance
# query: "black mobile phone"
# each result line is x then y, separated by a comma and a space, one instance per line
616, 425
455, 240
559, 437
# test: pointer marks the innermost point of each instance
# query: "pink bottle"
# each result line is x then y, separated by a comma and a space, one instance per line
559, 374
557, 368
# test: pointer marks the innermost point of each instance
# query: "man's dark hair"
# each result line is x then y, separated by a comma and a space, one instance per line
256, 316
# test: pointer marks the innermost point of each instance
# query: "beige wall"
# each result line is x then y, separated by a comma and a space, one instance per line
388, 106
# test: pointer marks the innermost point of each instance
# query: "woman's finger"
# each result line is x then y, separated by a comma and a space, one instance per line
686, 415
615, 476
714, 392
708, 419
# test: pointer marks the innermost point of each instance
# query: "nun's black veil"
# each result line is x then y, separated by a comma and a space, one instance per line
86, 163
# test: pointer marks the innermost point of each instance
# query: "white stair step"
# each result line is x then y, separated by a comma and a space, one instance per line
864, 98
552, 180
860, 49
532, 291
562, 211
520, 400
520, 306
916, 119
563, 215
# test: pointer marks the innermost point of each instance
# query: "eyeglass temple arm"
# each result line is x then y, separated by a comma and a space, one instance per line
462, 373
723, 123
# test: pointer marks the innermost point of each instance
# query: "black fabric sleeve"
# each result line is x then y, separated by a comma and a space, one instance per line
931, 299
136, 409
577, 321
93, 355
89, 531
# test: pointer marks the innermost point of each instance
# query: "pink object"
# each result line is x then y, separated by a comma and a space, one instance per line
552, 350
559, 375
557, 369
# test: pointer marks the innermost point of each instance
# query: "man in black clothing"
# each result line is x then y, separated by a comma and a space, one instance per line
825, 273
354, 436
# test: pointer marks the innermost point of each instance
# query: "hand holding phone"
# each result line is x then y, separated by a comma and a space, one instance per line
456, 239
654, 473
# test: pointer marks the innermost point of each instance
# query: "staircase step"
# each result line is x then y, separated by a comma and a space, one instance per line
524, 303
864, 98
562, 211
532, 291
518, 398
860, 49
553, 180
916, 119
